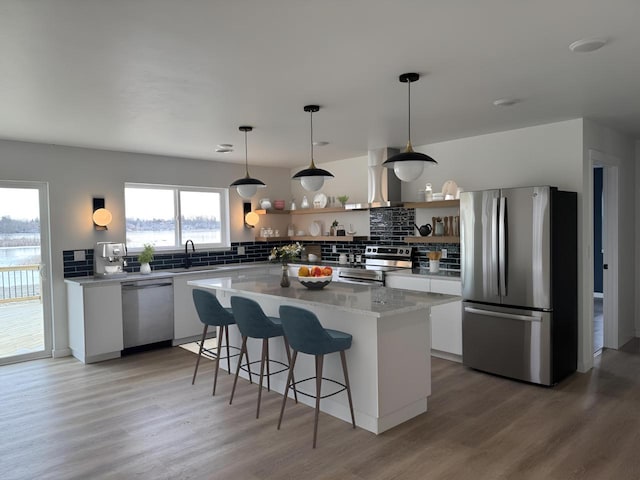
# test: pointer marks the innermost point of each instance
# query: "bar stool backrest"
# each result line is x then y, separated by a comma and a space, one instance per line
209, 309
304, 331
251, 319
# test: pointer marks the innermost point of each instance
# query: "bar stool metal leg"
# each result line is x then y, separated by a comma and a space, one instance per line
243, 349
293, 379
226, 331
265, 350
215, 375
204, 334
343, 358
319, 364
292, 364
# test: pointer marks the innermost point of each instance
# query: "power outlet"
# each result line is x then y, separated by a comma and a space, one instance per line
444, 253
334, 249
79, 256
241, 250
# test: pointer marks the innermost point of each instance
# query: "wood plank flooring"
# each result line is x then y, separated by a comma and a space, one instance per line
139, 417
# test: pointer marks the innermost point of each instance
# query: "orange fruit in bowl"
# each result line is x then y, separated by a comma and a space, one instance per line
327, 271
316, 272
303, 271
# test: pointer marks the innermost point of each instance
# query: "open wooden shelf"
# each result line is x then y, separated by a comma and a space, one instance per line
432, 239
434, 204
302, 211
310, 238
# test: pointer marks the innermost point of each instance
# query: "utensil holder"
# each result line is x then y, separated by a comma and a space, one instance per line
434, 266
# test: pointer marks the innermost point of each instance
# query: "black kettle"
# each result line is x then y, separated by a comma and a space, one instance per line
424, 230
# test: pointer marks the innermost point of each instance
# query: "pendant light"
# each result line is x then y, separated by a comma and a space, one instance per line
312, 178
247, 186
409, 165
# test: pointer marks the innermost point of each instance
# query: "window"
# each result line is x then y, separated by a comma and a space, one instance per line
166, 216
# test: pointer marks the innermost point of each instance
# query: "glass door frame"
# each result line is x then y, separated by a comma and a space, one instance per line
45, 270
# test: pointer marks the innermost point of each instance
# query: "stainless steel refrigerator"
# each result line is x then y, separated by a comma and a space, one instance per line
519, 282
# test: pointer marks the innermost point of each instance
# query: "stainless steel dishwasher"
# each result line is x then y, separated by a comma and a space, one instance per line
147, 312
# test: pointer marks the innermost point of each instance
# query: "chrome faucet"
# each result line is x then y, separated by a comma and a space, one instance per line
187, 258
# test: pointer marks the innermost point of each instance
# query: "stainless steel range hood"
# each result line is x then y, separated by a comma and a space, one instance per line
383, 186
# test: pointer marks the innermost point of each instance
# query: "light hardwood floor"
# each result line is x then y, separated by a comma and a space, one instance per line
139, 417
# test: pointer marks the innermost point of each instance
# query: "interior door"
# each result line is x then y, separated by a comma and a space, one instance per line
525, 247
25, 293
479, 245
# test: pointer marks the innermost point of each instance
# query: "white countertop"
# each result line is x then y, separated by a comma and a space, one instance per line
170, 273
451, 275
379, 301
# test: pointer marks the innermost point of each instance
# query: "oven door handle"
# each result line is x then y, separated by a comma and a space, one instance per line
358, 281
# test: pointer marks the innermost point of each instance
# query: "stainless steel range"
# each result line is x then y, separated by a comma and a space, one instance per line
378, 260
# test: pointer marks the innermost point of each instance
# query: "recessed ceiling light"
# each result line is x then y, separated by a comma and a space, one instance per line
225, 145
320, 144
505, 102
224, 150
587, 45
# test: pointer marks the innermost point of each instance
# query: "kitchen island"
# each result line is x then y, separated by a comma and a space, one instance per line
389, 361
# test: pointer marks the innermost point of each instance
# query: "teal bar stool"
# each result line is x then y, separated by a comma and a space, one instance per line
305, 334
212, 314
253, 323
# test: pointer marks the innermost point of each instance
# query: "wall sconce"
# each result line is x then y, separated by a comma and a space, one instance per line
250, 217
101, 216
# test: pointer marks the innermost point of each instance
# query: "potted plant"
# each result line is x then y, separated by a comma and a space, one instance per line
334, 227
145, 258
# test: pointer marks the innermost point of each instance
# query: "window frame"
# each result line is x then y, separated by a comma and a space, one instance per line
225, 222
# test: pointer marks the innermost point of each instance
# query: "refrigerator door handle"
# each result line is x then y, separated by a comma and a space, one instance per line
502, 242
510, 316
495, 260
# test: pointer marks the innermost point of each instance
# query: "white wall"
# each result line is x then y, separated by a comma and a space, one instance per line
618, 150
76, 175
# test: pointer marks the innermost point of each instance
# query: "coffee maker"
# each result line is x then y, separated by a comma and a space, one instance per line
108, 259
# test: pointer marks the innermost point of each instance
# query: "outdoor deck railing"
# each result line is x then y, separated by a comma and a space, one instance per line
19, 283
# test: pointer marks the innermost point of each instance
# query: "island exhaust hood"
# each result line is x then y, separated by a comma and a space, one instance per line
383, 185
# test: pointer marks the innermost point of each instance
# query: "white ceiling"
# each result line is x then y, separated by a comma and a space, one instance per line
177, 77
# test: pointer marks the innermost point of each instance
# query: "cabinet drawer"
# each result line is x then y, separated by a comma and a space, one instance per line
449, 287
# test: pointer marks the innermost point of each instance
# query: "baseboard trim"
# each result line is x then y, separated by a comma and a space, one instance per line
61, 352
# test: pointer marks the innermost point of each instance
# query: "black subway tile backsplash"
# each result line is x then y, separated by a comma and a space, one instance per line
388, 226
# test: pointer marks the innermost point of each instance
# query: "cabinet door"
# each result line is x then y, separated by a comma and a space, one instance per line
446, 328
186, 323
102, 320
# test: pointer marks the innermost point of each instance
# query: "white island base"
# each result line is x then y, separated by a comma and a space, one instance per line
389, 361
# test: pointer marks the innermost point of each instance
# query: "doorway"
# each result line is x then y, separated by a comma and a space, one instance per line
605, 251
25, 297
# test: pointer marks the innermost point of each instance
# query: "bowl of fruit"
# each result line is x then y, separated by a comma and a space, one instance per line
315, 277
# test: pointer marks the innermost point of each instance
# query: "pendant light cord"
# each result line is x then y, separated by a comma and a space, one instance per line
246, 162
409, 116
313, 165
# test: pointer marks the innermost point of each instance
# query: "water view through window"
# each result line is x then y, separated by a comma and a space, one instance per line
152, 214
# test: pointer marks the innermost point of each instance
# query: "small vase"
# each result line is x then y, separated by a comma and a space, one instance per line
284, 281
145, 268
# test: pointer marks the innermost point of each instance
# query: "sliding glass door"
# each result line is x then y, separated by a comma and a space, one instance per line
25, 294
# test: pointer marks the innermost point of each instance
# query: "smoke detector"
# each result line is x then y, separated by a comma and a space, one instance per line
587, 45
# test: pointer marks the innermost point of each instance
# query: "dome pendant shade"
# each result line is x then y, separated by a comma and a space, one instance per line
312, 178
247, 186
409, 165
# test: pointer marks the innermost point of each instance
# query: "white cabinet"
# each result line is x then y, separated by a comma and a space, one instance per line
95, 321
419, 284
446, 320
187, 326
